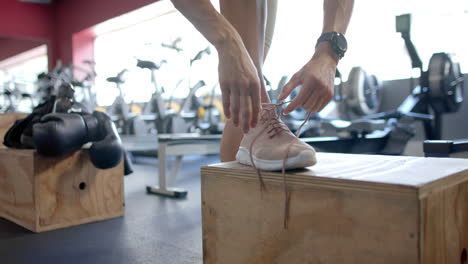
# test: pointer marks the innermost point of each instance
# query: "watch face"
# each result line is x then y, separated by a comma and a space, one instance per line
341, 43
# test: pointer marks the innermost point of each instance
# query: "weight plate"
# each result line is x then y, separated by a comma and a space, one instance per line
363, 92
446, 83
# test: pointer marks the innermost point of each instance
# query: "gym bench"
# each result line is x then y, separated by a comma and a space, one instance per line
179, 145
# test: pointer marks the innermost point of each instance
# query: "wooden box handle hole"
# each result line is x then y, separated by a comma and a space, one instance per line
82, 186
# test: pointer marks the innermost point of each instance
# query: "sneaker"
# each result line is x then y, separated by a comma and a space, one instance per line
271, 146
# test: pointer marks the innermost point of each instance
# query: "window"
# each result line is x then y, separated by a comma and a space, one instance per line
373, 43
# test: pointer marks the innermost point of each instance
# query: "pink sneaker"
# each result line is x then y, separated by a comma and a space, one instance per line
273, 145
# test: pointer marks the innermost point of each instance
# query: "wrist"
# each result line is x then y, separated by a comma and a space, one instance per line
324, 49
225, 40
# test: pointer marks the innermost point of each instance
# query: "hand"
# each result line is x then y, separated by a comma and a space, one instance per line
317, 80
240, 85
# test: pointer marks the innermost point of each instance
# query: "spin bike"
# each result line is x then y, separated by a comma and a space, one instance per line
167, 119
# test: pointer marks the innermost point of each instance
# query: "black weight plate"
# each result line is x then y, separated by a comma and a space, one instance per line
364, 92
445, 83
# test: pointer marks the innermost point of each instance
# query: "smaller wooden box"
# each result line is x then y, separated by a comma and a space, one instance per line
346, 209
41, 193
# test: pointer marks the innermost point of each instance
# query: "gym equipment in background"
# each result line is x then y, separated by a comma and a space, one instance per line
440, 91
119, 109
49, 84
84, 88
210, 113
360, 95
167, 120
175, 116
440, 87
174, 45
446, 148
12, 96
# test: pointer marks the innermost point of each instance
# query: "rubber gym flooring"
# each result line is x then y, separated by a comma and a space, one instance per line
153, 230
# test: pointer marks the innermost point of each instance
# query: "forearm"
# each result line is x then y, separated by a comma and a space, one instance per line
211, 24
337, 14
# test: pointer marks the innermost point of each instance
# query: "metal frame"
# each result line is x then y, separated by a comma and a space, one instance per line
179, 145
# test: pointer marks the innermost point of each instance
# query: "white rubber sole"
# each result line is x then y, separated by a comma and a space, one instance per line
303, 159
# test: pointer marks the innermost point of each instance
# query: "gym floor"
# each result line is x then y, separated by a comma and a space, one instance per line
153, 230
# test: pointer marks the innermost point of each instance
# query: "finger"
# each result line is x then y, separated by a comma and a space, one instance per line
322, 105
298, 101
324, 98
226, 97
255, 100
310, 102
289, 87
245, 112
235, 107
315, 102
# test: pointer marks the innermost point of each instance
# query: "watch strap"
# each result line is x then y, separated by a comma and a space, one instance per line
328, 36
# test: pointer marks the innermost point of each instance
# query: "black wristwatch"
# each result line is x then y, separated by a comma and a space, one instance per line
337, 40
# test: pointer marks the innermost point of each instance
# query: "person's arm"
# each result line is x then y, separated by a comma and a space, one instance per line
238, 78
317, 76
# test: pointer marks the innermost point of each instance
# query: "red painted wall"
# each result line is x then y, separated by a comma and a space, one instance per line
83, 49
26, 20
75, 16
20, 20
57, 24
11, 47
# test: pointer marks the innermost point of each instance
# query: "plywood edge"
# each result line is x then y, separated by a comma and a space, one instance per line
36, 193
81, 221
442, 184
311, 181
421, 219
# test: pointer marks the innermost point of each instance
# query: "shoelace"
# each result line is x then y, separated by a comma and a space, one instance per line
274, 127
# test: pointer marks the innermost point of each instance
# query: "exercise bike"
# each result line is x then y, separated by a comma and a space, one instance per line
84, 88
166, 117
127, 122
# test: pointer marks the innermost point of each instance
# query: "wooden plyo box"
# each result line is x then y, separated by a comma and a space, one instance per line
346, 209
42, 194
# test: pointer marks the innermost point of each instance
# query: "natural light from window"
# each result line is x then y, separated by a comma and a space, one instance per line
373, 44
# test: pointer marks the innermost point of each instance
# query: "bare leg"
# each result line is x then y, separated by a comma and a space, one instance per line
248, 17
270, 26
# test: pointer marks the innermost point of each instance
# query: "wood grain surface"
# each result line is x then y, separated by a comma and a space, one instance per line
42, 193
363, 171
242, 225
445, 226
72, 191
17, 201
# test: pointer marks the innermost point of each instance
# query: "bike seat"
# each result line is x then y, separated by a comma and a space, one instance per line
149, 65
116, 79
